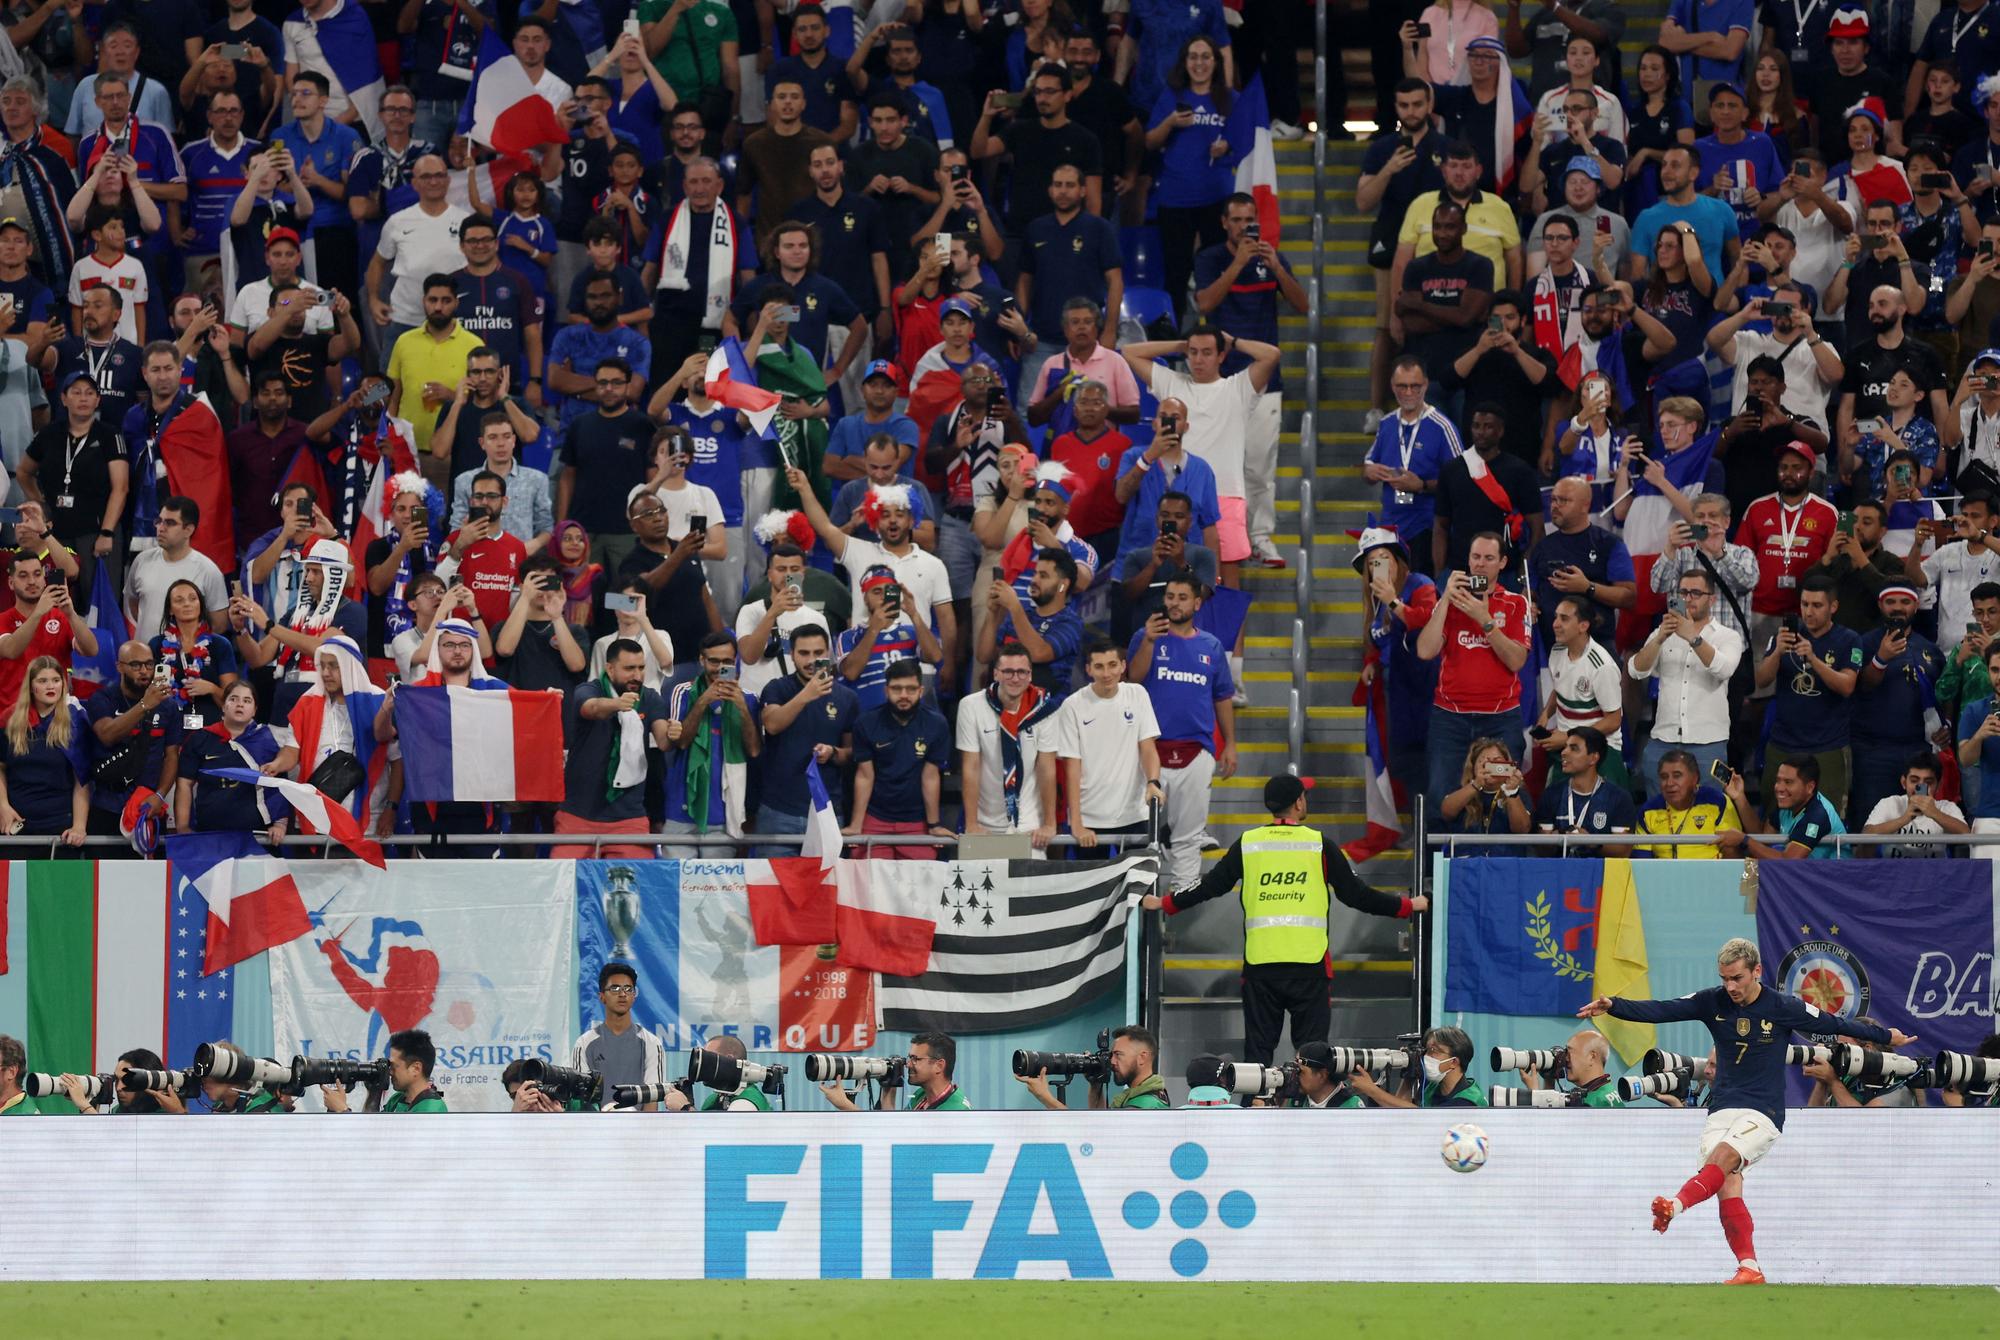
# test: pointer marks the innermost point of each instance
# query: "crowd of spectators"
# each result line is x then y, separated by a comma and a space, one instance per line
1720, 324
990, 257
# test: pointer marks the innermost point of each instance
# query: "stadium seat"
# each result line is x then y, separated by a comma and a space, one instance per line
1141, 247
1141, 308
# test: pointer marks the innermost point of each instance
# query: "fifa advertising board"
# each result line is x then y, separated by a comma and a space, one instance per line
1196, 1195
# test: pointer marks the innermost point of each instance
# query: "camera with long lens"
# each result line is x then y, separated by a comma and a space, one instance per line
96, 1088
1092, 1066
1857, 1062
1655, 1061
1550, 1061
313, 1071
181, 1082
226, 1065
1819, 1054
1346, 1060
887, 1070
1674, 1082
1258, 1081
1959, 1070
638, 1095
1502, 1096
563, 1084
726, 1074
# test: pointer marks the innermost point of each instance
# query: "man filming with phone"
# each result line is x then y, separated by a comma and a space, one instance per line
806, 716
1480, 630
1693, 655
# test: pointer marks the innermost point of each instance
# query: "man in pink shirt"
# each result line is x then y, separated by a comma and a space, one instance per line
1084, 359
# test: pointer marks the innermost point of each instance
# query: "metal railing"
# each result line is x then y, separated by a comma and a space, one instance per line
23, 843
1299, 697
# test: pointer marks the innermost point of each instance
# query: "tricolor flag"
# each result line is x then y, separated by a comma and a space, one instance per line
252, 902
198, 468
822, 838
347, 41
97, 958
466, 744
505, 112
886, 919
793, 898
730, 381
1248, 129
1016, 943
1381, 803
107, 620
319, 811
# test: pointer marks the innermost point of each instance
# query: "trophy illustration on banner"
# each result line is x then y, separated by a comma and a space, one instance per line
621, 909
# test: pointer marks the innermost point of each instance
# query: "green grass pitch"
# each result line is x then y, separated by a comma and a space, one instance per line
870, 1310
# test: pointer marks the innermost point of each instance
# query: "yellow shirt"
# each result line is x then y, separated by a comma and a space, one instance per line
1490, 229
416, 359
1711, 812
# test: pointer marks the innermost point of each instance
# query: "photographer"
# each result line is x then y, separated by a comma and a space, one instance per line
1988, 1049
130, 1102
928, 1067
412, 1057
14, 1100
1832, 1089
1134, 1054
226, 1098
749, 1098
1582, 1063
1319, 1087
526, 1095
620, 1048
1447, 1053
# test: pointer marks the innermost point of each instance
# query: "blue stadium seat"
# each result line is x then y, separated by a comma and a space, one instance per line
1146, 305
1142, 250
729, 162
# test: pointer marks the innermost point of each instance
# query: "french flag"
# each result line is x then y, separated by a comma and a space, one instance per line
1248, 131
730, 381
191, 448
252, 902
347, 39
885, 918
793, 898
467, 744
1385, 825
505, 112
317, 809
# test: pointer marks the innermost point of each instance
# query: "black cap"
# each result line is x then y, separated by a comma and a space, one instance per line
1317, 1055
1204, 1069
1283, 791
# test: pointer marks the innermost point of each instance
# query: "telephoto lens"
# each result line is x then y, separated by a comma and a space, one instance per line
563, 1084
1349, 1059
1857, 1062
227, 1065
1063, 1065
1795, 1054
1510, 1097
1656, 1060
715, 1070
313, 1071
1248, 1078
96, 1088
1957, 1070
1542, 1061
1632, 1088
157, 1081
638, 1095
829, 1069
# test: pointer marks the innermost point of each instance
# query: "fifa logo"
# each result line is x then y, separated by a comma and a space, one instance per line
621, 909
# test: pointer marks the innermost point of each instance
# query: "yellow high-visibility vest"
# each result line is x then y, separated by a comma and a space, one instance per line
1284, 895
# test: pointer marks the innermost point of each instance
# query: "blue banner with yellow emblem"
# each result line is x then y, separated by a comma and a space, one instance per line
1522, 937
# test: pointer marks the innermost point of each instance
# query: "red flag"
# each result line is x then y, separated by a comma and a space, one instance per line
885, 918
252, 902
198, 468
790, 901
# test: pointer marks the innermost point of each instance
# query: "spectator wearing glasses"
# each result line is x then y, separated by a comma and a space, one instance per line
712, 733
1007, 750
619, 1047
1566, 130
1692, 654
669, 571
1597, 243
137, 728
457, 443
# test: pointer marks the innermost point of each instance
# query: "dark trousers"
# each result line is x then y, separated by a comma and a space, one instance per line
1273, 990
1272, 35
1179, 230
675, 335
336, 255
105, 823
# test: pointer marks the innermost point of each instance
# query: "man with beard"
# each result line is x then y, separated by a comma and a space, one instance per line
854, 242
1967, 556
431, 360
457, 645
678, 600
607, 448
142, 427
1809, 375
1050, 630
261, 453
926, 588
202, 340
284, 345
1872, 362
1185, 671
486, 388
1814, 665
112, 362
1894, 702
1788, 531
805, 716
484, 554
899, 751
609, 723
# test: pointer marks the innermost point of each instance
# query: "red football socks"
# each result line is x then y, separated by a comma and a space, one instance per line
1737, 1226
1701, 1186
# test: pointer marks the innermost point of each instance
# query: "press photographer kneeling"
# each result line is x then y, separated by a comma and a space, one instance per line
1128, 1056
928, 1068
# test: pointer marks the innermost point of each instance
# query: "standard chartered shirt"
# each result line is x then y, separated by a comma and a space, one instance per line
416, 244
1218, 422
1105, 733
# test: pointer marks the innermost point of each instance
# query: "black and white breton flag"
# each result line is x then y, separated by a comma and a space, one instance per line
1019, 943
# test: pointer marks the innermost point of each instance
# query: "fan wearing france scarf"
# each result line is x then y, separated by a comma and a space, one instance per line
341, 713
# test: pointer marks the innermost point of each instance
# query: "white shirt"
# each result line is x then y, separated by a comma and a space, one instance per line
757, 674
690, 500
1694, 698
151, 573
654, 672
1588, 688
252, 308
921, 574
417, 244
1981, 433
127, 276
555, 92
1952, 571
1820, 251
979, 733
1218, 422
1806, 389
1105, 734
303, 52
1889, 807
1610, 121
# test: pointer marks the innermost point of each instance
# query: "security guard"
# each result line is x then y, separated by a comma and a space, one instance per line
1286, 870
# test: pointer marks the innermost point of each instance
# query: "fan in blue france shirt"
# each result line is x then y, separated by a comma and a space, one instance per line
1420, 445
1188, 676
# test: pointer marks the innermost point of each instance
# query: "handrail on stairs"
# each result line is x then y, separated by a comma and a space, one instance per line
1295, 730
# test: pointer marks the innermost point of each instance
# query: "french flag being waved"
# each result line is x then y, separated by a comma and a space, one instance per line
505, 113
480, 744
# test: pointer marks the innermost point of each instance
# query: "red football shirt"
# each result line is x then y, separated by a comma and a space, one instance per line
490, 569
1787, 542
51, 639
1471, 678
1093, 505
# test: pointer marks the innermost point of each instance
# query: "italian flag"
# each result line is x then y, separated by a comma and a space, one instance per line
100, 957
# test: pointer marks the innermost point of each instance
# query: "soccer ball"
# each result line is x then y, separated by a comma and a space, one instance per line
1464, 1148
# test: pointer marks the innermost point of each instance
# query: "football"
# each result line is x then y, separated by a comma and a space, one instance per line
1464, 1149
